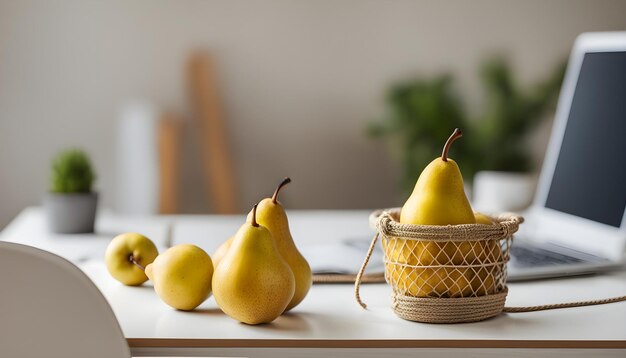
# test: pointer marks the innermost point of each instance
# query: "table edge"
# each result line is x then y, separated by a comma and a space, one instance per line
369, 343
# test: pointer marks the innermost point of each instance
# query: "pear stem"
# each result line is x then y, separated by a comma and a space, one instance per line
285, 181
131, 258
455, 135
254, 223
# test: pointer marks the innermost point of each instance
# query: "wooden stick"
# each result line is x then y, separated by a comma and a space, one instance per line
216, 157
169, 139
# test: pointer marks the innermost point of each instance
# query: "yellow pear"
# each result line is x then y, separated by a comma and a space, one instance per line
439, 199
458, 252
432, 282
253, 283
459, 280
403, 278
483, 282
271, 214
182, 276
221, 251
483, 219
435, 282
410, 252
491, 253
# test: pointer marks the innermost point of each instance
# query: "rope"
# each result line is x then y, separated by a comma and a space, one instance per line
564, 305
384, 221
359, 276
448, 310
377, 277
453, 310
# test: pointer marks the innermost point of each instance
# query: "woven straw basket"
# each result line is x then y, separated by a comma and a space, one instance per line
446, 274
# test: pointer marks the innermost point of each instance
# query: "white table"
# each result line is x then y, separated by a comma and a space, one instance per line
328, 321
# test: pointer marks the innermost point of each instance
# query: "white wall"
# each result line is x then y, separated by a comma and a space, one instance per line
300, 80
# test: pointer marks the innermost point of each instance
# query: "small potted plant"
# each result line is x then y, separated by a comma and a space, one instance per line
70, 206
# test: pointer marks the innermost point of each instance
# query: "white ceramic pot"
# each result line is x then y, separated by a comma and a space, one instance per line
495, 192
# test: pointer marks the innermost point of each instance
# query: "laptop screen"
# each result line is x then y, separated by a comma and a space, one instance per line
589, 180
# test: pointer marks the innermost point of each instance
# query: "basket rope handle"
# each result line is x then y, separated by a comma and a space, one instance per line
359, 276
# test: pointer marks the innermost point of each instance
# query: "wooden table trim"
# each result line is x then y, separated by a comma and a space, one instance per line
369, 343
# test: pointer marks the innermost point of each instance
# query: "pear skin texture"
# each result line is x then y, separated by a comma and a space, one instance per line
433, 282
483, 282
182, 276
491, 252
274, 218
221, 251
438, 197
253, 283
119, 251
458, 253
458, 282
411, 252
483, 219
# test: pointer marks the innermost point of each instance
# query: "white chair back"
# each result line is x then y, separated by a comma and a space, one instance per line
50, 308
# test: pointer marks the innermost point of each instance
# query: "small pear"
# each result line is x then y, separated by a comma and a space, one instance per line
439, 197
272, 215
253, 283
221, 251
182, 276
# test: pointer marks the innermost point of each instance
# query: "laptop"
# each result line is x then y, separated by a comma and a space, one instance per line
577, 222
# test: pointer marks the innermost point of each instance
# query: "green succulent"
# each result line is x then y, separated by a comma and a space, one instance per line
71, 172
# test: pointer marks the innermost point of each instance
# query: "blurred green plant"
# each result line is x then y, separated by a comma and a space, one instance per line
71, 172
421, 114
510, 113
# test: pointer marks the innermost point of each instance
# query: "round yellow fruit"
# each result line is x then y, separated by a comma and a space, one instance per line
490, 252
458, 281
483, 282
410, 252
416, 282
429, 283
457, 252
182, 276
121, 252
406, 280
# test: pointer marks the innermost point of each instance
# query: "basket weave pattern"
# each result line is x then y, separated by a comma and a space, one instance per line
454, 273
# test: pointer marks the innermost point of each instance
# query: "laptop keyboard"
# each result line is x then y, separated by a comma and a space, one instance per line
530, 256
